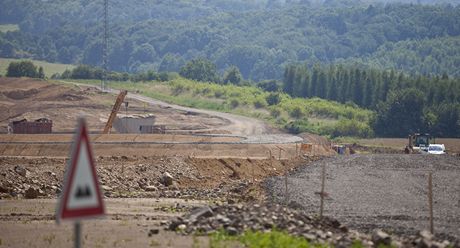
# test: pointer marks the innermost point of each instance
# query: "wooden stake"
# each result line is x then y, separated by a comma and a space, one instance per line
271, 158
286, 196
279, 156
253, 178
323, 178
430, 200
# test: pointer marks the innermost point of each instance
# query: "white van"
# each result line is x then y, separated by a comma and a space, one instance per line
436, 149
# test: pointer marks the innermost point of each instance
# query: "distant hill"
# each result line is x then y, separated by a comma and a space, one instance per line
260, 37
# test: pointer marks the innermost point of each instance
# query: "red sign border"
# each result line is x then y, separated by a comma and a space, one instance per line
64, 213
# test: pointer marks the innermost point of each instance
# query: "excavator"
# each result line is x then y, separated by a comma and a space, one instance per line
115, 109
418, 143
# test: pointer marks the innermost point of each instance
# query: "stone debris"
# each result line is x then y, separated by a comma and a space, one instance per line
380, 237
153, 232
237, 218
166, 179
31, 193
20, 170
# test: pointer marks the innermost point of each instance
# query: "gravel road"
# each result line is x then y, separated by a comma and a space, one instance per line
255, 130
380, 191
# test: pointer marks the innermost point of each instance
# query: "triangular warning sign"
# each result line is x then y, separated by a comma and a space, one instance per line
81, 196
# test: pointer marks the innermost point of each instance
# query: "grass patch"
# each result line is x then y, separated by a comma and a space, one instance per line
49, 68
8, 28
259, 239
295, 114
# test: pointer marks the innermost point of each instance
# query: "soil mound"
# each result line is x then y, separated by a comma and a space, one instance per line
20, 94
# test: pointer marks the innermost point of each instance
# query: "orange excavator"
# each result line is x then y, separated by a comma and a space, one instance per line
115, 109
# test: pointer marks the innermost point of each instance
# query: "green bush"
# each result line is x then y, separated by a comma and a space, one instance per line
260, 103
275, 112
296, 112
298, 126
234, 103
273, 99
24, 69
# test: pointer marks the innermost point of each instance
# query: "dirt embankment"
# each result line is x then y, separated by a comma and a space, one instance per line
380, 191
191, 178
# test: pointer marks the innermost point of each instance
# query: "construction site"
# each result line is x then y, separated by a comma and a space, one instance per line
158, 162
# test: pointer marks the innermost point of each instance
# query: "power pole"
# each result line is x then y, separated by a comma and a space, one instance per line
105, 45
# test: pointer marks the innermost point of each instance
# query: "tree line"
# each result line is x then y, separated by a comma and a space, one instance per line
258, 37
403, 103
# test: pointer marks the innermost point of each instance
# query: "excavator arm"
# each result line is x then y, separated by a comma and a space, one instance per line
115, 109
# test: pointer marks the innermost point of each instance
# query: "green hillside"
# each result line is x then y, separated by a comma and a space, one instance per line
294, 114
49, 68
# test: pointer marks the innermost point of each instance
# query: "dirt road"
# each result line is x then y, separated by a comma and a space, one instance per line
257, 131
31, 223
380, 191
236, 124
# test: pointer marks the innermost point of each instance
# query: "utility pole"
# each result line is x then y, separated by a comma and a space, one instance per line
105, 45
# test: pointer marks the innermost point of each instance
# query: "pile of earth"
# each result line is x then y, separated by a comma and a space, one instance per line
134, 177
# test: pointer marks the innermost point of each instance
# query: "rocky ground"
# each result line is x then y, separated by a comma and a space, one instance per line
379, 191
236, 219
138, 177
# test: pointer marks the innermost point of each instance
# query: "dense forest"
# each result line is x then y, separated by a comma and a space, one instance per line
259, 37
402, 103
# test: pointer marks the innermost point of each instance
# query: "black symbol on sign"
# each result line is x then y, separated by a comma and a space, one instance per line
83, 192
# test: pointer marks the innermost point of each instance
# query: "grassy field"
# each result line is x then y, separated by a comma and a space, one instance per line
49, 68
8, 27
294, 114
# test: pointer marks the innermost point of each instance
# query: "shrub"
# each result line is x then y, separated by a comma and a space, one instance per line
24, 69
234, 103
297, 126
260, 103
178, 89
219, 93
296, 112
273, 99
275, 112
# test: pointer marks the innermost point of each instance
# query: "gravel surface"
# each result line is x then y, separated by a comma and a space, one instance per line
384, 191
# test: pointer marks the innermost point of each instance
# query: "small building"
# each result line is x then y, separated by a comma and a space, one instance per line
39, 126
136, 123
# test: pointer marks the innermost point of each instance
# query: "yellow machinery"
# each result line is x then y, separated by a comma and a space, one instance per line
115, 109
418, 142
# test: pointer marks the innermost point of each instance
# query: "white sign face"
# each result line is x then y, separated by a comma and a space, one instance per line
81, 197
83, 190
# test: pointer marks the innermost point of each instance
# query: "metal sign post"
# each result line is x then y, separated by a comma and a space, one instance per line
81, 195
77, 230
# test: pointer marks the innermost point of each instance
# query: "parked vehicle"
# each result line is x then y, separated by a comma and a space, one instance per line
436, 149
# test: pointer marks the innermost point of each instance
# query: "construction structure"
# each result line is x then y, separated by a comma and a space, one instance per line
137, 123
115, 109
39, 126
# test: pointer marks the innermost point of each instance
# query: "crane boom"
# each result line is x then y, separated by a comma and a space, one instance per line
115, 109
